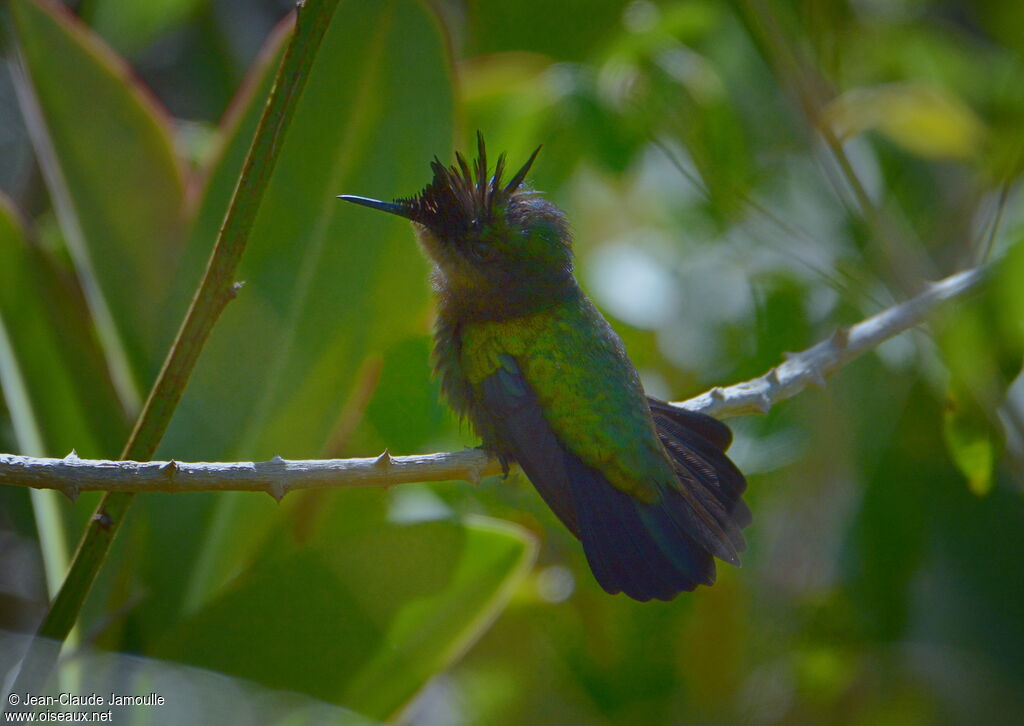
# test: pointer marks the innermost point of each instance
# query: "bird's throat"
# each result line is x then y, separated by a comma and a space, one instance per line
519, 298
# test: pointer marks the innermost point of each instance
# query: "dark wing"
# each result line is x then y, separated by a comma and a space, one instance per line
516, 419
642, 549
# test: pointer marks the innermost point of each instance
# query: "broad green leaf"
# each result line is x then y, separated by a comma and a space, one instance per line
406, 410
566, 30
362, 618
107, 158
53, 374
130, 27
924, 119
219, 177
325, 282
15, 278
427, 633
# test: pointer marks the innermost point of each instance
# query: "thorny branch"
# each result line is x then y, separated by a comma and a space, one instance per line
278, 476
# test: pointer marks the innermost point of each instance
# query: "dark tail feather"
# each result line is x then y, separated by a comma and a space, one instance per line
654, 550
697, 444
633, 547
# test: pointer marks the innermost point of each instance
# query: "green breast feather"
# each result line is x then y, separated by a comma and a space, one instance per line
588, 389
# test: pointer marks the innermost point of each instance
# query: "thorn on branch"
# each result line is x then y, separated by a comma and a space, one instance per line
841, 338
762, 403
276, 490
717, 394
235, 288
72, 456
773, 376
170, 469
71, 491
384, 461
816, 378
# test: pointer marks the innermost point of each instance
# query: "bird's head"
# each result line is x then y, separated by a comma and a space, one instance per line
497, 247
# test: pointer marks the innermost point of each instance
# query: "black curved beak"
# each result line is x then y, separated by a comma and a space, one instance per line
390, 207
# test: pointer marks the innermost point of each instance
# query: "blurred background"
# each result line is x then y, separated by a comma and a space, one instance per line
742, 178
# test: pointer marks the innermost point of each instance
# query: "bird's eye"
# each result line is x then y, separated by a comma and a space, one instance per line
481, 251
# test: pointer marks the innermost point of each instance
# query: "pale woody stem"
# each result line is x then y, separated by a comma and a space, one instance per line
277, 476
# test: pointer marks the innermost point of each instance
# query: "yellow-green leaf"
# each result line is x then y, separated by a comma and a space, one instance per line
924, 119
972, 440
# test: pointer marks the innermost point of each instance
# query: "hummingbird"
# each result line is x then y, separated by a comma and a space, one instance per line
523, 353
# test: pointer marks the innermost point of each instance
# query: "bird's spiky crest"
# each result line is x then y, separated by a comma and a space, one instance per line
459, 199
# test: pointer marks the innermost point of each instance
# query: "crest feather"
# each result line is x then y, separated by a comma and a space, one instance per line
459, 198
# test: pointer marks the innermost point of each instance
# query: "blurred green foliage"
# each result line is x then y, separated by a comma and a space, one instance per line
742, 178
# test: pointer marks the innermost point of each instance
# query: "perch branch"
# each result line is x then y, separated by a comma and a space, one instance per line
814, 365
278, 476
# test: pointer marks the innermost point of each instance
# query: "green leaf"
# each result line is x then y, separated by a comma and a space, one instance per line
554, 29
973, 442
52, 372
220, 175
406, 409
130, 27
326, 283
432, 630
1008, 282
924, 119
892, 529
362, 618
106, 154
982, 366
